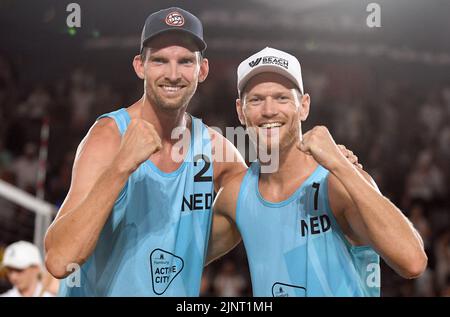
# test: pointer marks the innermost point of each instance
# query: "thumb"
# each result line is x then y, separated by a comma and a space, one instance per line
303, 147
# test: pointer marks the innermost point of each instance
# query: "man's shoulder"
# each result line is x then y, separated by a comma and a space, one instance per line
237, 179
104, 130
232, 188
11, 293
105, 124
229, 194
103, 138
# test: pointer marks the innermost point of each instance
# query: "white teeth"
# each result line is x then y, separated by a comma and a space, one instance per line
271, 125
171, 88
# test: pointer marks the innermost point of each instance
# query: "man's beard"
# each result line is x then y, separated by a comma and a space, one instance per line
171, 103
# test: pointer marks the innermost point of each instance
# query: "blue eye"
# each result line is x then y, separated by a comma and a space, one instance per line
158, 61
283, 99
186, 61
254, 100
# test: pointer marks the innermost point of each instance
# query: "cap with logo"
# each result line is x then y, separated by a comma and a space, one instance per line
273, 61
21, 255
173, 20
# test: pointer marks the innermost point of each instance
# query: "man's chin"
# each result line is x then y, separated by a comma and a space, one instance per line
269, 145
174, 104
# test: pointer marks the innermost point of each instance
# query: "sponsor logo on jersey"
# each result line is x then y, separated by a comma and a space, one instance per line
164, 267
287, 290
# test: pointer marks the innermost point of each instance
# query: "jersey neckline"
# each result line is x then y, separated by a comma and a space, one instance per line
290, 198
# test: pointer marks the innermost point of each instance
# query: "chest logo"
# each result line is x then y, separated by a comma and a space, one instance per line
164, 266
287, 290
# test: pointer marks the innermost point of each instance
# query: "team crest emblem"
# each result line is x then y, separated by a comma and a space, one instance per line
174, 19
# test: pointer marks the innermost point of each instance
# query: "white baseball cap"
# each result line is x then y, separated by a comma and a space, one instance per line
21, 255
273, 61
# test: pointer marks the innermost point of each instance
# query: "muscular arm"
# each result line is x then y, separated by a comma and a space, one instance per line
363, 213
102, 166
224, 233
374, 220
96, 183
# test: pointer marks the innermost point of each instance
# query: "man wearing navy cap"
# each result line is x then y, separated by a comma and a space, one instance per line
137, 220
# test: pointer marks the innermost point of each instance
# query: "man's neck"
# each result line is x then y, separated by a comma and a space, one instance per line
292, 163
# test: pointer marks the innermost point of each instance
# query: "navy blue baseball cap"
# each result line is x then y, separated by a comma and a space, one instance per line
173, 20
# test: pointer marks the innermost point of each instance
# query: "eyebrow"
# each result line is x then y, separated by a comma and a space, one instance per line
156, 56
277, 94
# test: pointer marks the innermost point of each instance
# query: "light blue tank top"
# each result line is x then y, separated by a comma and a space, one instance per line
155, 240
296, 248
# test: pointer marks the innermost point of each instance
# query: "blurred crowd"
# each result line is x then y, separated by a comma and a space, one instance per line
399, 130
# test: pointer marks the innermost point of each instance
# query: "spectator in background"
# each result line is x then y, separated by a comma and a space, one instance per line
82, 97
206, 284
36, 105
5, 156
431, 116
23, 263
425, 182
424, 285
442, 256
228, 282
59, 184
420, 222
446, 291
26, 167
444, 141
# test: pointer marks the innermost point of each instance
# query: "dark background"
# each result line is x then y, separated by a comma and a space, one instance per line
383, 92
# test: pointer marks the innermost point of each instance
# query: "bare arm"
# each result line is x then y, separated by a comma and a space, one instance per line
224, 234
371, 217
228, 166
375, 220
101, 169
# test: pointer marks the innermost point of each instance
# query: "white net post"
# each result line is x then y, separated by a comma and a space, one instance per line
42, 221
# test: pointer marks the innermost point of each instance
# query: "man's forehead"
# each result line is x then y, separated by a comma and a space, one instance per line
266, 80
172, 39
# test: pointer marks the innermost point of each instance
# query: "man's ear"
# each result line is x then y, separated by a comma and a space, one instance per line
138, 66
204, 70
240, 111
304, 107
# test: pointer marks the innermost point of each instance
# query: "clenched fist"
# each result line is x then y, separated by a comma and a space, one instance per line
319, 143
139, 142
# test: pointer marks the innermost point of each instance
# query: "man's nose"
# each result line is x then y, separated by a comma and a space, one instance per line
173, 72
13, 276
269, 108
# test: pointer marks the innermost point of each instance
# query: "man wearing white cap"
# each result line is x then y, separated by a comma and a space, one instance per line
23, 263
316, 225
